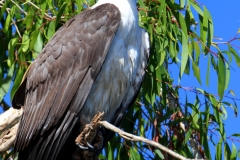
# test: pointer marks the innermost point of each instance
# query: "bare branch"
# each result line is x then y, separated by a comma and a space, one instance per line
48, 16
8, 128
125, 135
19, 7
134, 138
13, 21
9, 124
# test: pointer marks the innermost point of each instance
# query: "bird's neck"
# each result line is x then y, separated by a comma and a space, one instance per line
128, 9
118, 3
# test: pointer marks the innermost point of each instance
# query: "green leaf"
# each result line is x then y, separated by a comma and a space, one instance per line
17, 81
217, 115
25, 41
197, 51
236, 135
219, 151
39, 44
187, 136
162, 54
60, 13
6, 82
206, 146
182, 3
236, 56
234, 152
29, 18
163, 11
214, 63
183, 25
234, 107
229, 54
227, 151
204, 27
7, 23
210, 32
140, 2
213, 100
220, 90
79, 6
42, 1
10, 15
187, 68
208, 70
223, 112
110, 152
3, 9
11, 49
207, 111
196, 72
33, 37
134, 155
184, 53
197, 8
51, 30
43, 8
221, 76
227, 68
158, 154
101, 156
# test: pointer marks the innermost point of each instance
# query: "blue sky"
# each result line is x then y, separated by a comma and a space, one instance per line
226, 20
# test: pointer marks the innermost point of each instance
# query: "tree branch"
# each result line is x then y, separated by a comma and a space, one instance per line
91, 129
8, 128
9, 124
13, 22
19, 7
134, 138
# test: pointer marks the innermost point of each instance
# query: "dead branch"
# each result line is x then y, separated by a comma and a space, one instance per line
9, 124
8, 128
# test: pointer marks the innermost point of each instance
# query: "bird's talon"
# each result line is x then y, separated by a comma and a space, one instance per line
90, 146
82, 147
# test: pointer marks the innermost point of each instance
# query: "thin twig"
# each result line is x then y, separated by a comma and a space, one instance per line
19, 20
19, 7
236, 37
48, 16
134, 138
13, 21
1, 3
213, 53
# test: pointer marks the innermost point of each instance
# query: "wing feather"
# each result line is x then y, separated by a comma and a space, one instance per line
68, 65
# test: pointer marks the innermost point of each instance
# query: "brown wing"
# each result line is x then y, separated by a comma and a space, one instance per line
69, 62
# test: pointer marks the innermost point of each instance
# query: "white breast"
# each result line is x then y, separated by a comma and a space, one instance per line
119, 68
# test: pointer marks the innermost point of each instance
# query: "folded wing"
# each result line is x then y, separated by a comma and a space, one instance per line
69, 62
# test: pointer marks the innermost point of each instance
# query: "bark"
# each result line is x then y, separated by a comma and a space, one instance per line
8, 128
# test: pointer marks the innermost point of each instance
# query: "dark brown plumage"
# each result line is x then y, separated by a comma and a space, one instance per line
71, 61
